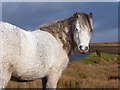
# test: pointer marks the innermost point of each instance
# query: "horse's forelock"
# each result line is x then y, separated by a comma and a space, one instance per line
84, 19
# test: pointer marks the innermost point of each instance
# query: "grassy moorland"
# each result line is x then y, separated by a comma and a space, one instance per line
91, 72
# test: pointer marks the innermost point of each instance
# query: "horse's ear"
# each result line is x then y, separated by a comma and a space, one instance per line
91, 14
76, 14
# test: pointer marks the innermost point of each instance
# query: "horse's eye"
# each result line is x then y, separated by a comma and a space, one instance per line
76, 29
91, 30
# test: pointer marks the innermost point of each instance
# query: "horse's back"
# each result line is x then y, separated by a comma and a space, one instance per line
9, 39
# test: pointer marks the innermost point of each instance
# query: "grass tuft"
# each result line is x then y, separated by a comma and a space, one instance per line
94, 58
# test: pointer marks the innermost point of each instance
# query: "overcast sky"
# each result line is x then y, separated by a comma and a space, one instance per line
60, 0
30, 16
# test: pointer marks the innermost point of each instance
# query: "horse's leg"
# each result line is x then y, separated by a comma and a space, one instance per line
44, 82
52, 79
5, 76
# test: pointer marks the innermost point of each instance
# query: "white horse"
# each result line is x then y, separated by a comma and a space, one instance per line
43, 53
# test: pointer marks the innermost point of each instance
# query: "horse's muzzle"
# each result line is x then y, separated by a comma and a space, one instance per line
83, 49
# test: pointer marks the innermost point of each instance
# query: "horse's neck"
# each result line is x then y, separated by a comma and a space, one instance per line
67, 39
61, 30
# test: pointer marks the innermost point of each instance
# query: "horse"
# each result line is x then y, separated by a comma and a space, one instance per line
42, 53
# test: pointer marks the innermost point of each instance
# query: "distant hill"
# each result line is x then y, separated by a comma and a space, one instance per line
107, 47
105, 44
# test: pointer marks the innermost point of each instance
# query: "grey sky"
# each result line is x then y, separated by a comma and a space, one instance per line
60, 0
0, 11
30, 16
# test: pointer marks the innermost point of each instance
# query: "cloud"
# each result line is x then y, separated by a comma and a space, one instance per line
105, 15
31, 13
119, 21
112, 35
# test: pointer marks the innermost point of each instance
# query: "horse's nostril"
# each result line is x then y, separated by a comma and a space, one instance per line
86, 48
80, 47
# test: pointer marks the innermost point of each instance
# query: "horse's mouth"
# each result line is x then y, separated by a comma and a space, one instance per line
83, 52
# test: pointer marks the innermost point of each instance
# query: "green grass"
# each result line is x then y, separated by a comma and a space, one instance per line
93, 58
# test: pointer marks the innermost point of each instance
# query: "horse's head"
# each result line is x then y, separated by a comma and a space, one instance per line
82, 29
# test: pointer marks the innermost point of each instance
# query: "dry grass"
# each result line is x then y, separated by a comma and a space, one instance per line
78, 75
101, 75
